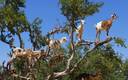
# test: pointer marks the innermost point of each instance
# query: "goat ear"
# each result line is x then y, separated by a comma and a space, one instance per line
114, 14
13, 49
82, 20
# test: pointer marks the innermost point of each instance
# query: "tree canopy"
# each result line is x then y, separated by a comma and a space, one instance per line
48, 59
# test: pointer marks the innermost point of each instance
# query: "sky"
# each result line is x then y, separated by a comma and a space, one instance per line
49, 12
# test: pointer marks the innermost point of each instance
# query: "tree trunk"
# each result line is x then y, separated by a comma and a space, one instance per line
20, 40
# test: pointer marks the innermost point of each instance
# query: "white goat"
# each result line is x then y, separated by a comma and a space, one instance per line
79, 30
57, 43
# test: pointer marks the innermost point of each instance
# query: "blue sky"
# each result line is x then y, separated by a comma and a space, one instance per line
49, 12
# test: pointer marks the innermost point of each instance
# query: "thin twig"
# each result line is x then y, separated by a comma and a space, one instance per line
56, 30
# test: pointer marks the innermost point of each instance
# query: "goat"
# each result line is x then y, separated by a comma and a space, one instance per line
29, 54
79, 30
56, 43
104, 25
17, 52
34, 56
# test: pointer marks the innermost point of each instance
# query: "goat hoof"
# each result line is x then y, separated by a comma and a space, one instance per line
97, 42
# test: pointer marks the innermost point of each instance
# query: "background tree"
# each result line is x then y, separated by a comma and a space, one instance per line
13, 21
36, 37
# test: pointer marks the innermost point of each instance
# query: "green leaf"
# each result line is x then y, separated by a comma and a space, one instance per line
120, 42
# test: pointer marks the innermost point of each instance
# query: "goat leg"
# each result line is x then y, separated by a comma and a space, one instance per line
97, 35
107, 33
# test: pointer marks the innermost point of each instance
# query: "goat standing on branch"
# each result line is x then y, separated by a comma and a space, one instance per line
17, 52
79, 30
28, 53
104, 25
56, 43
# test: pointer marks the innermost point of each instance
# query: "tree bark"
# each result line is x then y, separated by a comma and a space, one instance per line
20, 40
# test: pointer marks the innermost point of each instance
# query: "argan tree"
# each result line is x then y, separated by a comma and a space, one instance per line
48, 60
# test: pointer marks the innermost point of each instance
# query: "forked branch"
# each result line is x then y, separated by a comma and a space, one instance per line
67, 71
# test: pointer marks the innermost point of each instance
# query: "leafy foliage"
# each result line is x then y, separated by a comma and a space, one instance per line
36, 36
120, 42
103, 59
13, 20
78, 9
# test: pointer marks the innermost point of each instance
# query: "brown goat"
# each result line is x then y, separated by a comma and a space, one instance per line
104, 25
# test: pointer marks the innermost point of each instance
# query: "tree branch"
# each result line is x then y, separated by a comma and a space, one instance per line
21, 77
3, 38
20, 40
56, 30
67, 71
90, 50
83, 42
72, 51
